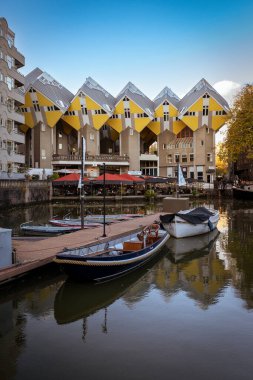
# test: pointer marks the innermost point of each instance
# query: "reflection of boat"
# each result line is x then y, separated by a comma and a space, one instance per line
243, 193
114, 257
197, 221
74, 300
191, 247
44, 230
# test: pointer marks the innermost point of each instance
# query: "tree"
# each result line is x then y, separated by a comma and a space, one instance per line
239, 138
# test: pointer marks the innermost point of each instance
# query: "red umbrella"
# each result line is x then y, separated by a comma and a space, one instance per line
69, 179
132, 178
112, 179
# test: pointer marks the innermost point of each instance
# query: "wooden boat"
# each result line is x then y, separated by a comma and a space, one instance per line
44, 230
197, 221
245, 193
189, 248
115, 257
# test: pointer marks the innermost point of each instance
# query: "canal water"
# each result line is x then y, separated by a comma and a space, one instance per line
187, 315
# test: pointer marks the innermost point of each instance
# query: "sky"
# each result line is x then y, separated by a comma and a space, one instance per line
152, 43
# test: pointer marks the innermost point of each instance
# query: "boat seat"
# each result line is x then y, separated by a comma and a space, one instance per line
132, 245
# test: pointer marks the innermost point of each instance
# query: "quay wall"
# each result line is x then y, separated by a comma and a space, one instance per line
13, 192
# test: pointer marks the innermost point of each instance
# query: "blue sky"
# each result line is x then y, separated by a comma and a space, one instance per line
151, 43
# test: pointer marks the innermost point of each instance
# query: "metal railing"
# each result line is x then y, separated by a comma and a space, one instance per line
89, 157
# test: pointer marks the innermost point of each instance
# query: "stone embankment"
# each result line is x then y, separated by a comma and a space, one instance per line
13, 192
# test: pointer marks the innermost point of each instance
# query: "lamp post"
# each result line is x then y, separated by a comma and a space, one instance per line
104, 234
82, 189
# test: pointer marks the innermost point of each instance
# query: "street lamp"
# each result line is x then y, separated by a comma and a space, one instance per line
104, 234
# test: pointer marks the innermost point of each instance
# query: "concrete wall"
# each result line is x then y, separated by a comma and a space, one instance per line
14, 193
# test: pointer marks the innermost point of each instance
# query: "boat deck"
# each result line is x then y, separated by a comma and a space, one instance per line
32, 254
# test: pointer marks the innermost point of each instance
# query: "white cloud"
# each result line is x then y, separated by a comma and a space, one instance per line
228, 89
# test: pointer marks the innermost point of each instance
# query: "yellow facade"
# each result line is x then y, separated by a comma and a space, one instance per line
99, 119
178, 126
218, 122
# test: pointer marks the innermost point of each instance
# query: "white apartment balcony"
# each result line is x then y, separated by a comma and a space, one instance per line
17, 136
17, 157
19, 97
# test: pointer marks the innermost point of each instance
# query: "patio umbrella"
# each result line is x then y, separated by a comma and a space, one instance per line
155, 179
112, 179
133, 178
70, 179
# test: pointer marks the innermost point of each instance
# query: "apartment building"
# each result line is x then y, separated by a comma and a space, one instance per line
11, 99
129, 132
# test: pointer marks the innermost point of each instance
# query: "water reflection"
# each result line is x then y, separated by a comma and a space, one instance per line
204, 284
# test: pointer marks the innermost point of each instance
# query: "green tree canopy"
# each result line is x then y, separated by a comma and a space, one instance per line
239, 138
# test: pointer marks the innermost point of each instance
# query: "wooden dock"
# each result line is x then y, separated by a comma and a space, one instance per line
32, 254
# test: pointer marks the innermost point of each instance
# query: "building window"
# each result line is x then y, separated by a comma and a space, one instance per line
114, 116
220, 113
127, 113
43, 128
155, 119
166, 116
10, 82
141, 115
60, 146
43, 154
10, 40
10, 61
166, 103
209, 157
205, 110
60, 135
70, 113
32, 90
84, 110
191, 157
200, 172
202, 142
131, 131
184, 157
200, 175
207, 130
99, 112
164, 146
206, 96
169, 158
177, 157
36, 106
125, 99
190, 113
92, 137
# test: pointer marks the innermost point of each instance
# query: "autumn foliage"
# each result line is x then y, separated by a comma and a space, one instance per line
239, 138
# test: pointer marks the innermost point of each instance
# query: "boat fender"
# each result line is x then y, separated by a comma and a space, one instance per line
210, 225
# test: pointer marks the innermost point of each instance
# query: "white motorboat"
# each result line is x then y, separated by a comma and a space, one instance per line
197, 221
